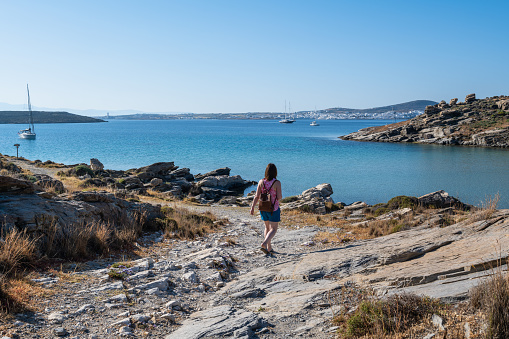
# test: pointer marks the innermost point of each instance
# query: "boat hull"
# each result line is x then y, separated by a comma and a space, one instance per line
30, 136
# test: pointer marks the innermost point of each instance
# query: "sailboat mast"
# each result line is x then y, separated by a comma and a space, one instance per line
30, 117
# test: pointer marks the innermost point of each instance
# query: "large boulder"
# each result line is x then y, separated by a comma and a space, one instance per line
312, 200
15, 186
161, 168
33, 211
503, 104
470, 98
96, 165
45, 182
214, 173
439, 199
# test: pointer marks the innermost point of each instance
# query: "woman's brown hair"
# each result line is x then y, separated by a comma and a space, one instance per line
270, 171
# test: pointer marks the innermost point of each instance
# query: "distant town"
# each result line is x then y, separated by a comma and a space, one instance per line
402, 111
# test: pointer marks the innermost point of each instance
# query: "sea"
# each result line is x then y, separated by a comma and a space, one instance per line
305, 155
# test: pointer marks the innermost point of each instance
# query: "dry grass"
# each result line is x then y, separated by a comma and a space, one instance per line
85, 240
180, 223
17, 250
492, 296
489, 207
360, 313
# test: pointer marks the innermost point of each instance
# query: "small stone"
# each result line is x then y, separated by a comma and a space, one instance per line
308, 243
168, 316
57, 317
122, 322
220, 284
125, 329
140, 318
172, 304
190, 276
60, 331
438, 322
153, 291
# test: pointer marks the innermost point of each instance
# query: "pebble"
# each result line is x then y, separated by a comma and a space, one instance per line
60, 331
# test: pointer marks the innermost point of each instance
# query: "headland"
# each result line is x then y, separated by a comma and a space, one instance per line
473, 122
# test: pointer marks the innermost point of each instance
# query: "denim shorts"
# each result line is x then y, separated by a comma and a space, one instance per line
274, 216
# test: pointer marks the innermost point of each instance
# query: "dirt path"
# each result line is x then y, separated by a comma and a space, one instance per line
26, 164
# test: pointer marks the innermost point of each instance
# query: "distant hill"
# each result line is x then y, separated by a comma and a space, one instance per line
418, 105
41, 117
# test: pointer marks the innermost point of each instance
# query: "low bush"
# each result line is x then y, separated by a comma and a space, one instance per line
183, 224
492, 296
402, 201
17, 250
331, 207
393, 314
82, 170
289, 199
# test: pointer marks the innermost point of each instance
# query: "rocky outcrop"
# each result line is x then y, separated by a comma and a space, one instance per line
439, 199
474, 122
169, 179
26, 206
9, 185
312, 200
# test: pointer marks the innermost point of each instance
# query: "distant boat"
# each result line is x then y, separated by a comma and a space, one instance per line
314, 123
28, 133
286, 120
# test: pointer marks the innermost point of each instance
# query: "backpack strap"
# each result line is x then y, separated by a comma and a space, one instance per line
268, 190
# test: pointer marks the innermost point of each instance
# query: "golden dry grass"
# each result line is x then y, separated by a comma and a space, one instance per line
17, 250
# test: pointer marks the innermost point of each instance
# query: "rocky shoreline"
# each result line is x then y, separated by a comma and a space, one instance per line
219, 284
474, 122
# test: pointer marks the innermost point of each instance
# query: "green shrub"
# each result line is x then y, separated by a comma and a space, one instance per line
331, 207
397, 228
402, 201
81, 170
396, 313
289, 199
305, 208
381, 210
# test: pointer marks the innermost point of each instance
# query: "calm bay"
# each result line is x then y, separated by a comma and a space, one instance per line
305, 155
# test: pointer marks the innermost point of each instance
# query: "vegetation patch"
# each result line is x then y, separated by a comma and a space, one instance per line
289, 199
402, 201
381, 317
120, 271
82, 170
182, 224
492, 296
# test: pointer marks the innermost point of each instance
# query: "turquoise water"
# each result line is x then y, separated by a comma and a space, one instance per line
305, 155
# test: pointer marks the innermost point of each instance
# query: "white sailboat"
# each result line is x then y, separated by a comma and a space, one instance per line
28, 133
286, 120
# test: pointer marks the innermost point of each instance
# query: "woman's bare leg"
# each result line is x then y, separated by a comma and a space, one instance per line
267, 229
269, 234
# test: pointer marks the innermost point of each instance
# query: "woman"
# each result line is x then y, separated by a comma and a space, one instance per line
271, 219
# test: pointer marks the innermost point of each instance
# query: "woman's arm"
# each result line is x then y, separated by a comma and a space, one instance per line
279, 194
257, 197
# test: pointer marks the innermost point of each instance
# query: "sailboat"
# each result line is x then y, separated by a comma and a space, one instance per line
28, 133
286, 120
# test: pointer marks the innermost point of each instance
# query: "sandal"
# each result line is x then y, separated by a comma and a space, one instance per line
264, 250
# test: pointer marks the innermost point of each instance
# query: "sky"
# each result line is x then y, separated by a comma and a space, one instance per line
219, 56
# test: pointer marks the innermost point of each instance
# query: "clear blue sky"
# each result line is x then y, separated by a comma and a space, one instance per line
240, 56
